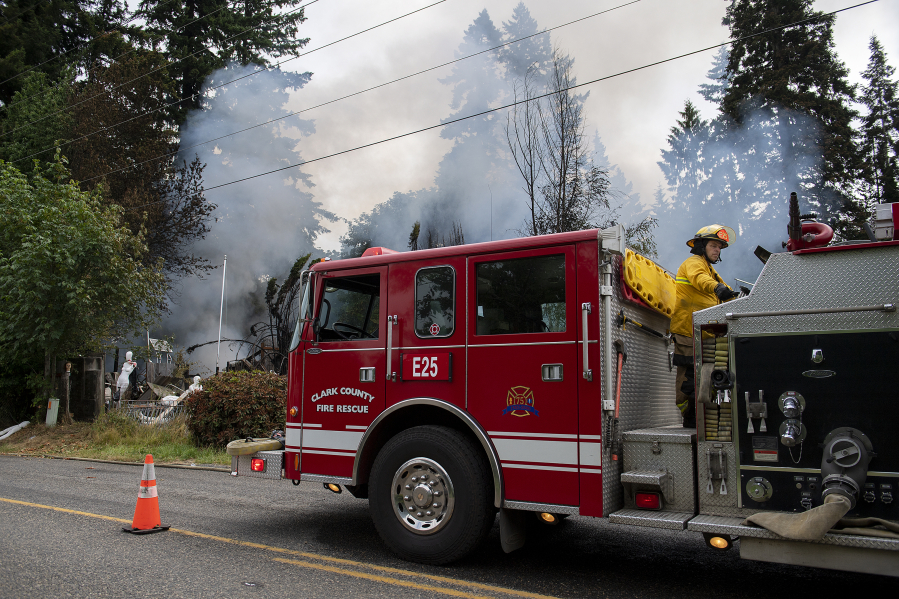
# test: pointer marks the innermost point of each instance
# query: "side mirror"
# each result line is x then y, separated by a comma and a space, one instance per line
316, 328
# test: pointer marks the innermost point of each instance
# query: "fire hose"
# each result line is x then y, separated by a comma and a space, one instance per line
13, 429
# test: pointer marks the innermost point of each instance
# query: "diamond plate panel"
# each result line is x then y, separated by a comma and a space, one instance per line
274, 462
541, 507
817, 281
715, 503
669, 434
669, 520
734, 526
674, 456
647, 387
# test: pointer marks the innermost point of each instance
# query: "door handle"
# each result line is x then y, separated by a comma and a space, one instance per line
551, 372
586, 308
391, 320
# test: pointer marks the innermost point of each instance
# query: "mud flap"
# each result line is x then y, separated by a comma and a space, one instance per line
512, 529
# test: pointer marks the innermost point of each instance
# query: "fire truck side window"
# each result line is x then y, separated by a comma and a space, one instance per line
434, 301
524, 295
349, 308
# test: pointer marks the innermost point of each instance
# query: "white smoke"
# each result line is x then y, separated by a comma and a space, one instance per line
263, 224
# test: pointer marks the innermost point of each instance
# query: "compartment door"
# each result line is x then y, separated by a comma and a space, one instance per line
522, 368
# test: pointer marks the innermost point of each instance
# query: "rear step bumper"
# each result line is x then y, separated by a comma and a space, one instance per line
669, 520
734, 527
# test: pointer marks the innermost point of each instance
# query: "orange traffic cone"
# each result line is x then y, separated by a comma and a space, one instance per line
146, 514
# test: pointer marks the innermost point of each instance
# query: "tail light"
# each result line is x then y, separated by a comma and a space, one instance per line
648, 501
257, 465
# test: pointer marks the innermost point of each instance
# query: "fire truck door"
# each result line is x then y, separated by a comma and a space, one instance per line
522, 369
344, 370
428, 340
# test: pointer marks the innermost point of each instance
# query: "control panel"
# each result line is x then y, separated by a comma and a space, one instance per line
814, 414
796, 492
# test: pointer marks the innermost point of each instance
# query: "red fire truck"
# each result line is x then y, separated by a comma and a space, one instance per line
534, 376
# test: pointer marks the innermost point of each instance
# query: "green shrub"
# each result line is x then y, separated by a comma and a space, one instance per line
234, 405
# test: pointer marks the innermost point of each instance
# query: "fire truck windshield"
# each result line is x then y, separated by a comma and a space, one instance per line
349, 308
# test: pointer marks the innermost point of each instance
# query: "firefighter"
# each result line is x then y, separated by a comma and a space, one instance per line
698, 287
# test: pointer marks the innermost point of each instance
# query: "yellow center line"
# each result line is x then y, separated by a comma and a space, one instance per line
65, 510
384, 579
324, 558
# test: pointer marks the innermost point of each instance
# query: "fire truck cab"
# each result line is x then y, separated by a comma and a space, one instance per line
535, 375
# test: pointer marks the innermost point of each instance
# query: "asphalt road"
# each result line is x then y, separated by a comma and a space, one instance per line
60, 536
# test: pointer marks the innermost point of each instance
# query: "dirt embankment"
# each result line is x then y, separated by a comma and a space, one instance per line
63, 439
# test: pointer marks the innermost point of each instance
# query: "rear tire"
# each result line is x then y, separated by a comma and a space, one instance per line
430, 495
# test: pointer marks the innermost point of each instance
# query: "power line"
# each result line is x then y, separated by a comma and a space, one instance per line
270, 121
633, 70
147, 74
163, 107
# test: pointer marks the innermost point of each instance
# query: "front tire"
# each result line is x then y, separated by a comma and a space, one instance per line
429, 493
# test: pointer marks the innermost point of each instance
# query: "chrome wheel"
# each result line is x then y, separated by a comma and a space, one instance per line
423, 496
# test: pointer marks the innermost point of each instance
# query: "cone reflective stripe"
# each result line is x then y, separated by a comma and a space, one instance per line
146, 513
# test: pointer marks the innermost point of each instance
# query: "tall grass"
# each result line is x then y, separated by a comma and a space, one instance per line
117, 436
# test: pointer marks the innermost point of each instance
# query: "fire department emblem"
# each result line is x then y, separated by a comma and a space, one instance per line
520, 402
435, 329
722, 234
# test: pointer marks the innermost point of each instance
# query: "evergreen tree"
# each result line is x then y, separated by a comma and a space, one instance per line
476, 160
534, 53
682, 163
794, 85
880, 129
50, 36
715, 91
34, 32
201, 36
37, 100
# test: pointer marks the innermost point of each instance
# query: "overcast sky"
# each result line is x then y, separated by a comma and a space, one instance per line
631, 113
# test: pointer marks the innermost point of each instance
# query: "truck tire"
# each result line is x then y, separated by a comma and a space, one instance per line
430, 495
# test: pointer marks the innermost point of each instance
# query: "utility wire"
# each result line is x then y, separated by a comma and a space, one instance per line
633, 70
270, 121
163, 107
146, 75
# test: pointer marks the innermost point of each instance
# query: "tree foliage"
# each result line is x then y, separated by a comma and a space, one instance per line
788, 89
880, 129
199, 37
282, 303
71, 275
113, 127
122, 141
42, 103
565, 188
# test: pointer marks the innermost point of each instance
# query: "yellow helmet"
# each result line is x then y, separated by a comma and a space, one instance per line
720, 233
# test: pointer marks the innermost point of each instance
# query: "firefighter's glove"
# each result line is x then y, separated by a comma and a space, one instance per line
744, 289
725, 293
